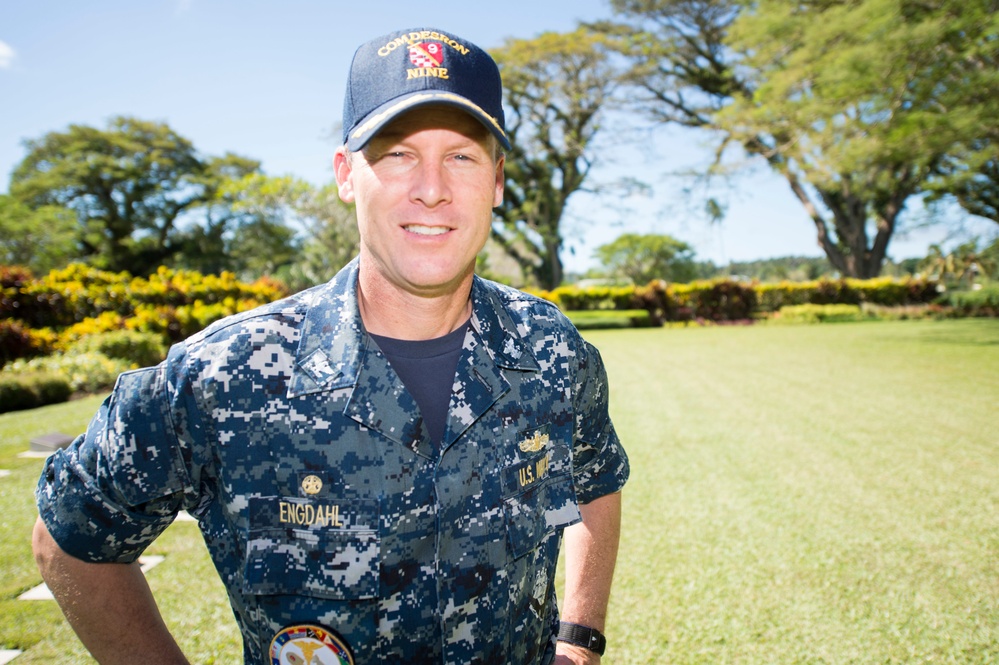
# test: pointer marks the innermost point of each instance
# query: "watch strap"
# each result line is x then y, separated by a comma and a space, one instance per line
582, 636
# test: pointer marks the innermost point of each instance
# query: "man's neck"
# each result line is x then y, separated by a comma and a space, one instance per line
395, 313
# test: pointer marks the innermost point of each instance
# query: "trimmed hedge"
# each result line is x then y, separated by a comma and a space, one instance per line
819, 313
31, 390
88, 372
78, 293
718, 300
984, 302
883, 291
15, 342
603, 319
87, 325
726, 300
142, 349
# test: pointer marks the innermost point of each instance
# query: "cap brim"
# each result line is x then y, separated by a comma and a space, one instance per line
373, 123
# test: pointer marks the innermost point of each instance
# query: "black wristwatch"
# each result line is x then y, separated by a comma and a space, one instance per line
582, 636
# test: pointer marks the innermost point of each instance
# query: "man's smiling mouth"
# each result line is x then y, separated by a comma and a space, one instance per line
427, 230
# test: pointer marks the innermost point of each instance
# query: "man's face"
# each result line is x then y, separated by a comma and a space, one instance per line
424, 187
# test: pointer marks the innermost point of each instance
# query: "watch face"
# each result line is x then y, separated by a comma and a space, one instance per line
308, 644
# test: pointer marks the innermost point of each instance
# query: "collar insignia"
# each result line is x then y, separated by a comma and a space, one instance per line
312, 484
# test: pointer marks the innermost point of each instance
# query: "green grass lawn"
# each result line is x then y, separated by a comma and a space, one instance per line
799, 494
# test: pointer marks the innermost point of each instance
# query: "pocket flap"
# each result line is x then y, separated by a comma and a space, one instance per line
301, 547
535, 514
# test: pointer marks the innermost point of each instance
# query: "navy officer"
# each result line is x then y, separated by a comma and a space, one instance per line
384, 467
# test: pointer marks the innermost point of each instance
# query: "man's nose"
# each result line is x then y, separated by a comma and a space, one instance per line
431, 186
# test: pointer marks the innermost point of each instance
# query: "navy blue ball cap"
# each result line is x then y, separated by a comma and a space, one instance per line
408, 69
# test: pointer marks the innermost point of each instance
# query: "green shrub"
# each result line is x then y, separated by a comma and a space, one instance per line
657, 299
819, 314
79, 292
14, 276
984, 302
575, 298
177, 323
908, 312
883, 291
31, 389
12, 280
100, 323
186, 287
72, 294
138, 348
889, 292
715, 300
772, 297
601, 319
16, 342
105, 322
85, 372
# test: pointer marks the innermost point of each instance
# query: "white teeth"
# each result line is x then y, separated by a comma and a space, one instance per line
427, 230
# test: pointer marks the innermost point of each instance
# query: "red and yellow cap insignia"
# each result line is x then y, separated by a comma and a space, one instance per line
427, 54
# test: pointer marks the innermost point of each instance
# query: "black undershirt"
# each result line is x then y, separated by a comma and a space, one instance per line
427, 369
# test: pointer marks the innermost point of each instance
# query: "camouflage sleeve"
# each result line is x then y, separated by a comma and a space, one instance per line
600, 464
118, 486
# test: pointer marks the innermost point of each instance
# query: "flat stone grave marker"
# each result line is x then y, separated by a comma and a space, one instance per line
49, 443
7, 655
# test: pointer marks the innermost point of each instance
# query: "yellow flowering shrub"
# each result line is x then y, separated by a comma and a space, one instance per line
64, 312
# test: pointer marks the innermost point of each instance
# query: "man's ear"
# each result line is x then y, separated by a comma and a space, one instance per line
341, 170
500, 181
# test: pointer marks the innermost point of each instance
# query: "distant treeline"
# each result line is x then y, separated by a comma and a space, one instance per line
795, 269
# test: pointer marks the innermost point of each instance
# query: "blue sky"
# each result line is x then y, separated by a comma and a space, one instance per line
266, 80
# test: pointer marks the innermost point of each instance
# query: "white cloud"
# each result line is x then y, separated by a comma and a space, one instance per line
7, 55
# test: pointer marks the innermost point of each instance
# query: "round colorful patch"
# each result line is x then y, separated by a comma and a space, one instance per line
309, 645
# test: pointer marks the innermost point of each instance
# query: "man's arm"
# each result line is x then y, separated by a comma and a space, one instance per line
109, 605
590, 555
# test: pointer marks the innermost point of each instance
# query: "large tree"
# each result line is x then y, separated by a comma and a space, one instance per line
643, 258
40, 239
208, 240
332, 238
143, 196
286, 227
128, 184
557, 88
325, 228
262, 241
970, 172
972, 178
845, 99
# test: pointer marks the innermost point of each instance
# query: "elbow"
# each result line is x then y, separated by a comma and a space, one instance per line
44, 547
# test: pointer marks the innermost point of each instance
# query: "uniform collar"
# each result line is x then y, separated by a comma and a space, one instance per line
333, 340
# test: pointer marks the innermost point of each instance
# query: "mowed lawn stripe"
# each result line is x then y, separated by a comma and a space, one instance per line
808, 494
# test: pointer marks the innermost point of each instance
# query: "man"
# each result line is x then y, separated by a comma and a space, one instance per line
383, 466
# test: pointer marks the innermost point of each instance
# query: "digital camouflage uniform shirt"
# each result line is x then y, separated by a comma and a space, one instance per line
289, 437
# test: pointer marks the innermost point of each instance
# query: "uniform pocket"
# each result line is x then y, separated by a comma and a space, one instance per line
539, 499
298, 546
